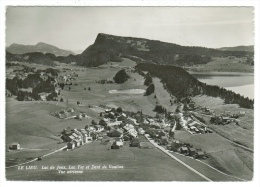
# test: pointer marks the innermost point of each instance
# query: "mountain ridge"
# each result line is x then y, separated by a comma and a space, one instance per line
42, 47
114, 48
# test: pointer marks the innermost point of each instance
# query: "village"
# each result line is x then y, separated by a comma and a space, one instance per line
84, 115
116, 127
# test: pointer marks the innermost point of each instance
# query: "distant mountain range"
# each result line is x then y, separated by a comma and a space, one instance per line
249, 48
39, 47
113, 48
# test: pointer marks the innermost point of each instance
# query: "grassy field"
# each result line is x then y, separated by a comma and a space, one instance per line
138, 165
225, 155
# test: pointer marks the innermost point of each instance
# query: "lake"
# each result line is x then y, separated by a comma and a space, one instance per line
242, 83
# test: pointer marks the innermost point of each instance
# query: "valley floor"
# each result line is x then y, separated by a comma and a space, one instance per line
31, 124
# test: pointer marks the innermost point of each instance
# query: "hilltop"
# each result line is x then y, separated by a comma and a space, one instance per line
35, 57
39, 47
249, 48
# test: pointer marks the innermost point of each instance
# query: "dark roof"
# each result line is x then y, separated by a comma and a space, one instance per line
192, 149
184, 148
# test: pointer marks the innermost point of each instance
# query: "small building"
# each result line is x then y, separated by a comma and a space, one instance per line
175, 145
15, 146
69, 138
70, 145
87, 139
135, 142
79, 116
163, 140
117, 145
192, 151
71, 110
184, 150
199, 154
192, 123
99, 128
76, 142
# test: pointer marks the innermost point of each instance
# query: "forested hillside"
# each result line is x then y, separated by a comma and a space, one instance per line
181, 84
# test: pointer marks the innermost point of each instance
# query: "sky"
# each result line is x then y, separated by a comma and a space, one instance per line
75, 28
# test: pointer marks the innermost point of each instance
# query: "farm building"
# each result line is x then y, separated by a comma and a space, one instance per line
135, 142
70, 145
175, 145
199, 154
76, 142
69, 138
192, 123
70, 110
87, 139
192, 151
184, 150
117, 145
15, 146
163, 140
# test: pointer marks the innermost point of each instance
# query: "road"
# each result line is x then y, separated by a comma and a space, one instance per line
202, 169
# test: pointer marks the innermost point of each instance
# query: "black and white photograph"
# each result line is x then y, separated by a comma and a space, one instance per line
129, 93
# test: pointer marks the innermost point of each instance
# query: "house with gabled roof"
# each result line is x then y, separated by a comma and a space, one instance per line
70, 145
15, 146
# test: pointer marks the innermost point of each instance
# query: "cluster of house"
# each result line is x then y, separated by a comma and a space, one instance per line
186, 149
162, 138
207, 111
67, 78
105, 81
76, 137
227, 118
196, 127
69, 113
222, 120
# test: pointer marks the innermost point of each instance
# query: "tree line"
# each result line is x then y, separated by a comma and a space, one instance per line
33, 81
181, 84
